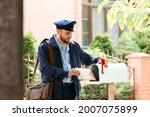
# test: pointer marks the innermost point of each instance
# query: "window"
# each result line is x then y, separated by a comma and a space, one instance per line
94, 23
85, 25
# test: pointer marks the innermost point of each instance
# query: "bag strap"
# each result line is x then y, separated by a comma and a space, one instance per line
50, 54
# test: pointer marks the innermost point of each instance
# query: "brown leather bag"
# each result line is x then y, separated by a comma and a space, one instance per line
41, 91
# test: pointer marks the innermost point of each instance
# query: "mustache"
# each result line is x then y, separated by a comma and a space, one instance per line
68, 38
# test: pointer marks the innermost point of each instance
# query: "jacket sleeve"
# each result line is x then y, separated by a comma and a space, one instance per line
45, 67
86, 59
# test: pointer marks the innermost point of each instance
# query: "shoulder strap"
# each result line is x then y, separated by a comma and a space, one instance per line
51, 58
50, 53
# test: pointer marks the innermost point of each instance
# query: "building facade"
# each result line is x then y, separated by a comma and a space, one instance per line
39, 16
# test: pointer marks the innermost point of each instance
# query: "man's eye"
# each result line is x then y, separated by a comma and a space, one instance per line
67, 33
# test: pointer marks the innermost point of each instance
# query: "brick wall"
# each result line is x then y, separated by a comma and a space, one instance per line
39, 16
141, 64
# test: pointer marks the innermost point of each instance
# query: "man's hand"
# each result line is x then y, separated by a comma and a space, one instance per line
73, 72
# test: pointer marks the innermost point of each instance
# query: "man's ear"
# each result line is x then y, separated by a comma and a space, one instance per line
58, 31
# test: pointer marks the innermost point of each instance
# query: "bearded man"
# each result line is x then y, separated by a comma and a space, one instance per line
68, 56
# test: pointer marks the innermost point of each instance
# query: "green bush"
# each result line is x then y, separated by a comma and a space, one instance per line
103, 43
142, 38
30, 46
123, 91
95, 52
94, 92
127, 45
137, 41
100, 91
31, 49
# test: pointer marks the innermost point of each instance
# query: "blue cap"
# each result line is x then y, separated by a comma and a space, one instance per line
65, 24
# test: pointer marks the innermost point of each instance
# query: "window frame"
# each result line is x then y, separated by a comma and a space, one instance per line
90, 6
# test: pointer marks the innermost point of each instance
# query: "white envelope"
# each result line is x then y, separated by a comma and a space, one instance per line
86, 74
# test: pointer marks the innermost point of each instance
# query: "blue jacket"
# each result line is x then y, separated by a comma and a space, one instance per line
77, 57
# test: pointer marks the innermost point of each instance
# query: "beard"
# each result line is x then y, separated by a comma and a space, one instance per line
66, 41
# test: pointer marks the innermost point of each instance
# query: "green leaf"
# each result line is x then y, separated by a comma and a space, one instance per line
111, 16
128, 13
120, 20
100, 7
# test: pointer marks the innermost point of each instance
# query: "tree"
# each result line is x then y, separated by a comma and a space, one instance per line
29, 50
133, 14
11, 44
29, 45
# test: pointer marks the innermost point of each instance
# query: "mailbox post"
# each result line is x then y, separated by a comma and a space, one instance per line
111, 91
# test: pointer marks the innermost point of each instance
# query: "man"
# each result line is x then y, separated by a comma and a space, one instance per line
68, 56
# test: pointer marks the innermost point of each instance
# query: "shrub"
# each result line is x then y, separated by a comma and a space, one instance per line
127, 45
29, 45
142, 38
137, 41
29, 48
123, 91
103, 43
94, 92
100, 91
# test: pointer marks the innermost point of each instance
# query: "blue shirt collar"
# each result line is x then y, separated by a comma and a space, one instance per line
59, 45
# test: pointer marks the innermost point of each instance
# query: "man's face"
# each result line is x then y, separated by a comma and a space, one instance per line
65, 36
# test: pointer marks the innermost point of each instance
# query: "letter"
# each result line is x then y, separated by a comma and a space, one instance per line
66, 110
34, 109
29, 108
13, 110
47, 110
55, 110
50, 108
60, 110
17, 109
